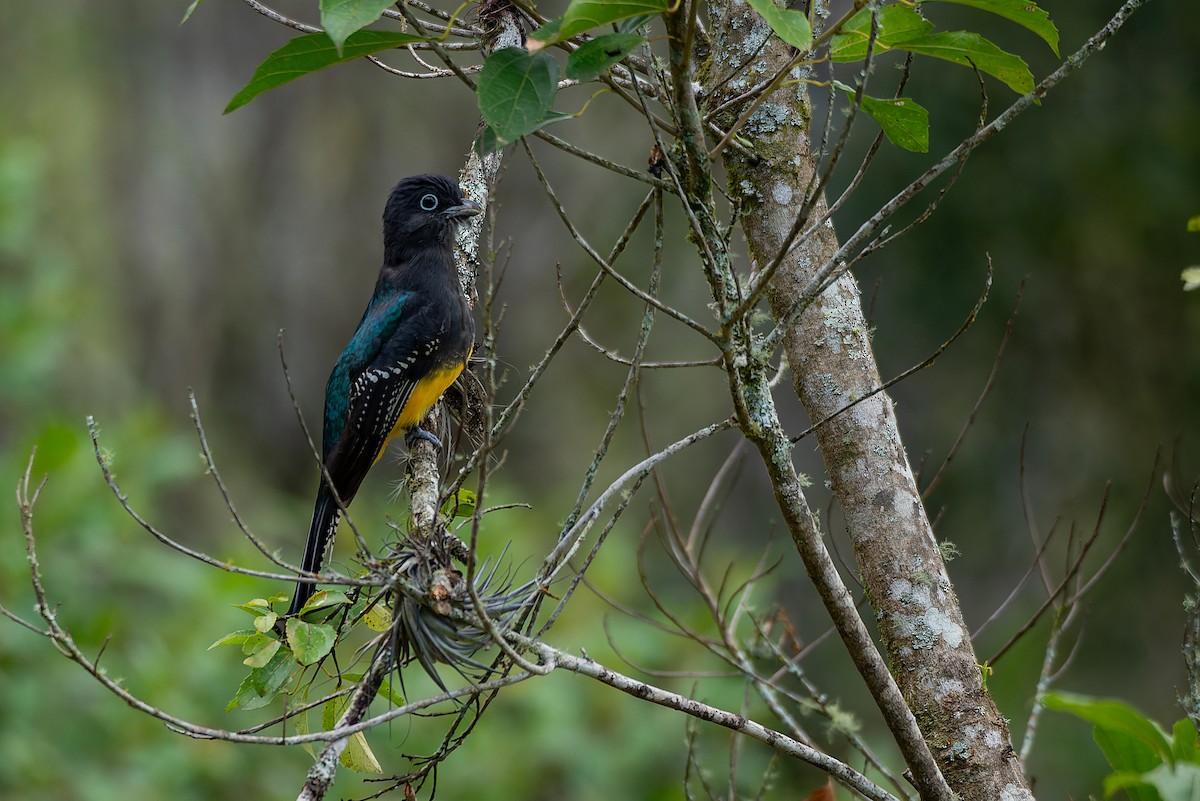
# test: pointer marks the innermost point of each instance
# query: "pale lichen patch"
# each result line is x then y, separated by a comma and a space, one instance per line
767, 119
1013, 792
947, 689
930, 624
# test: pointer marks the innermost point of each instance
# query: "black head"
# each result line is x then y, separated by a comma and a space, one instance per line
423, 210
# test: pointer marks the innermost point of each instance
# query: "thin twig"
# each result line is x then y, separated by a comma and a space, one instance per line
736, 722
199, 556
615, 417
632, 288
211, 466
1073, 571
983, 394
508, 416
929, 360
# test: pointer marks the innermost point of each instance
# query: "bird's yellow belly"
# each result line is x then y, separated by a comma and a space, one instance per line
424, 395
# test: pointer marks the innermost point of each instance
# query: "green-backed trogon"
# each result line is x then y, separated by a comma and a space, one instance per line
412, 342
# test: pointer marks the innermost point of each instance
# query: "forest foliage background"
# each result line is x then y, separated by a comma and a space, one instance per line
149, 244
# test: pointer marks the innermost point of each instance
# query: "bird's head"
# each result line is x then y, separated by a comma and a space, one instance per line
424, 210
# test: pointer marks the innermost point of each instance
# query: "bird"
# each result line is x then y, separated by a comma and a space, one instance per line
412, 342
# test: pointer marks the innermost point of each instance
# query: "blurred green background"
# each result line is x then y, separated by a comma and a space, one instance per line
149, 244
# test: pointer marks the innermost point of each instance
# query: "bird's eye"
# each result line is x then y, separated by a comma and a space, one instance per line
429, 202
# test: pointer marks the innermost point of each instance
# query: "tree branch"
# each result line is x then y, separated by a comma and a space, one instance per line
829, 349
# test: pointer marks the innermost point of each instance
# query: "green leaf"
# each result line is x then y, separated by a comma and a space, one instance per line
460, 504
1160, 784
1129, 758
235, 638
1116, 718
487, 141
904, 121
359, 757
263, 650
595, 56
1134, 784
264, 623
516, 92
1193, 224
971, 49
632, 24
310, 53
1191, 278
896, 23
378, 618
340, 18
299, 721
310, 642
1128, 755
583, 15
545, 35
322, 599
901, 28
1185, 745
191, 9
389, 692
254, 642
1023, 12
262, 685
332, 710
791, 26
256, 606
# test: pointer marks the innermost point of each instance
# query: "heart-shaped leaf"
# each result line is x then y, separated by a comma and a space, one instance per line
516, 92
791, 26
261, 686
340, 18
310, 642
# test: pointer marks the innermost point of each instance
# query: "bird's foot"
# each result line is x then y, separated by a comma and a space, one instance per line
417, 433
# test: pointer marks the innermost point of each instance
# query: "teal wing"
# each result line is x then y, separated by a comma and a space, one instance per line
379, 322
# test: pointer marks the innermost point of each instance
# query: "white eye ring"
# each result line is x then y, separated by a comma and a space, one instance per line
429, 202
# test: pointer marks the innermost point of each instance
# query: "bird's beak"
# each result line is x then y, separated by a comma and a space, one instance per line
468, 208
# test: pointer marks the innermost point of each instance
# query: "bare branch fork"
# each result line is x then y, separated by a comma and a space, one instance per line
354, 720
753, 399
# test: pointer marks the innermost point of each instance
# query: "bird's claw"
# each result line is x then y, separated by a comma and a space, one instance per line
417, 433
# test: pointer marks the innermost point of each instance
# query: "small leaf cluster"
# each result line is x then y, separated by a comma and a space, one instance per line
277, 660
1148, 764
901, 27
517, 86
516, 97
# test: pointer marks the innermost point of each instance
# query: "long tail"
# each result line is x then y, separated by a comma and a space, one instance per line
320, 535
